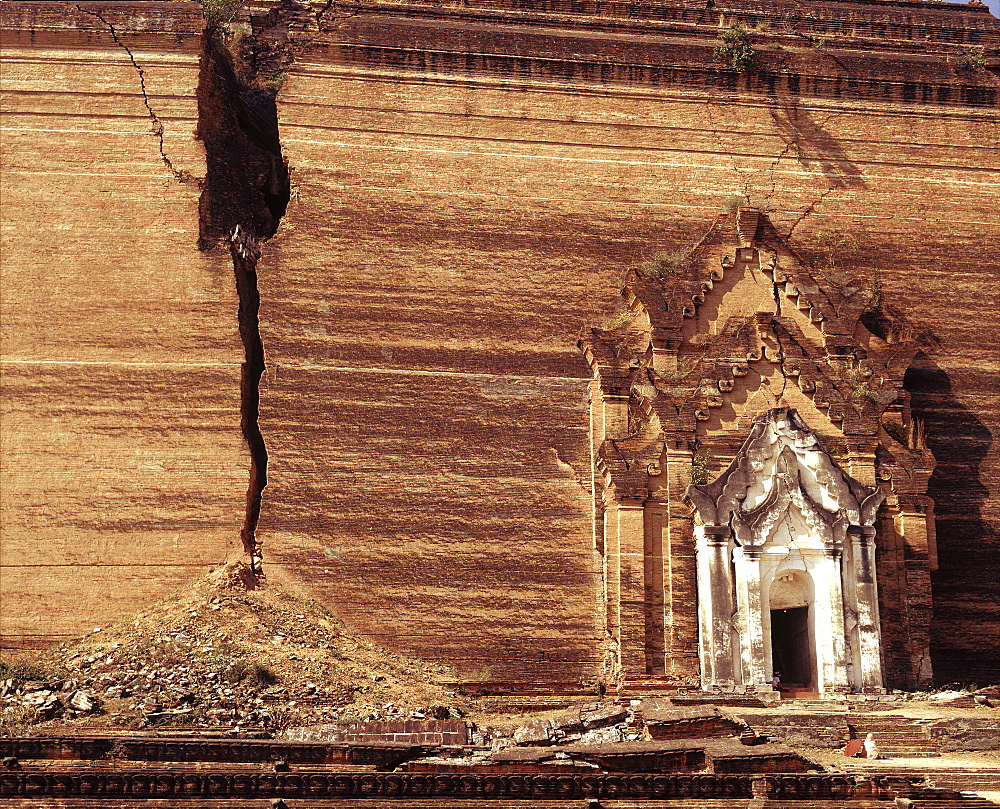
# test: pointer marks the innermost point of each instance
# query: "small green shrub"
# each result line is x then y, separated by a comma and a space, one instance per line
836, 247
26, 670
617, 319
973, 58
836, 241
663, 263
734, 203
683, 368
273, 83
736, 48
221, 12
875, 302
897, 431
16, 720
254, 670
835, 449
700, 470
859, 383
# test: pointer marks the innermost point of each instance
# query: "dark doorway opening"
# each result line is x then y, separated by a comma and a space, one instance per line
790, 653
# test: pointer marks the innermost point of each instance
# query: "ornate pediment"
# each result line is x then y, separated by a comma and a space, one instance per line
740, 326
741, 382
782, 470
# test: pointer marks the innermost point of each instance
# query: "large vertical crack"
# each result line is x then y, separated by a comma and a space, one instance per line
245, 252
245, 195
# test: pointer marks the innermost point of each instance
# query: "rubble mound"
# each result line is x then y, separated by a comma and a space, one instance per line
221, 655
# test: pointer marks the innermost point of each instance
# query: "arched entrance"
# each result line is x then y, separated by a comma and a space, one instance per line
784, 548
792, 638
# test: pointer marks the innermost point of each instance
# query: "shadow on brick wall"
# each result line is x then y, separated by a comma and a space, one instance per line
966, 586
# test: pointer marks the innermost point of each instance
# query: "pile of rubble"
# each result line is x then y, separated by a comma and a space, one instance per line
596, 724
220, 655
43, 700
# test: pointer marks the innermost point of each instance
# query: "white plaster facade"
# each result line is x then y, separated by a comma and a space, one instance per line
784, 528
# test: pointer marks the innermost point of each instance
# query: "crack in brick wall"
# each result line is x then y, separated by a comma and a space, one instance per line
157, 127
245, 195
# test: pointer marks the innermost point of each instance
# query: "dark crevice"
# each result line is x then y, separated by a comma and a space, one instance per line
157, 127
245, 194
246, 253
246, 183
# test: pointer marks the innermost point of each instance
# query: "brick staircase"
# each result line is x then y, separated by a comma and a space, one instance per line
967, 779
896, 736
962, 782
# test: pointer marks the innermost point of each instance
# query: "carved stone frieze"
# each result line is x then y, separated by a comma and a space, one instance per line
783, 467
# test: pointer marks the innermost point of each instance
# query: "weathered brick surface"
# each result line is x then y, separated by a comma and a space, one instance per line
458, 219
123, 471
470, 184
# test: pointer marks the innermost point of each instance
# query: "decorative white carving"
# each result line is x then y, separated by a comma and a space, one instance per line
784, 504
781, 466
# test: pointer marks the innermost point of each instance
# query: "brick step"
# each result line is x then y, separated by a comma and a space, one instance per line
905, 730
902, 744
860, 733
904, 752
525, 703
971, 779
721, 700
900, 749
889, 741
966, 782
438, 803
909, 733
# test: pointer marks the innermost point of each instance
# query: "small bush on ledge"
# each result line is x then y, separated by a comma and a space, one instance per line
972, 58
663, 263
700, 471
736, 48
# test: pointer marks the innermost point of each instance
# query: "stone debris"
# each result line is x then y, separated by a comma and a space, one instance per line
46, 701
597, 724
221, 656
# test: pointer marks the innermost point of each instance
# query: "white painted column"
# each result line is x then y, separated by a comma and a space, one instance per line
715, 605
863, 547
747, 563
831, 651
612, 567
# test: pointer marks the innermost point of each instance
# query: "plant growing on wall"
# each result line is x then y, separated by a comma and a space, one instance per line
734, 202
836, 248
700, 470
972, 58
736, 48
617, 319
221, 12
875, 302
663, 263
897, 431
